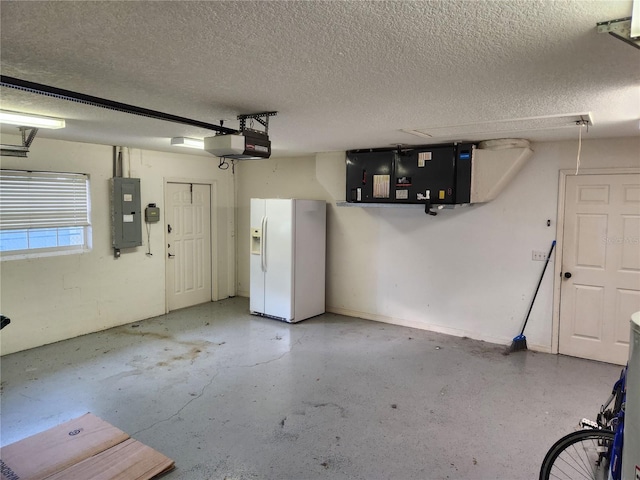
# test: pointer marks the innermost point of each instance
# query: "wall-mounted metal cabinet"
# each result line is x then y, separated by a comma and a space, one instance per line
126, 220
439, 174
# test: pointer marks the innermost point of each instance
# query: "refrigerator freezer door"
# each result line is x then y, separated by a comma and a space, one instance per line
278, 247
256, 273
309, 259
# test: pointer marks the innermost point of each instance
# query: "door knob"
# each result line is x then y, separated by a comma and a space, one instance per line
171, 256
567, 274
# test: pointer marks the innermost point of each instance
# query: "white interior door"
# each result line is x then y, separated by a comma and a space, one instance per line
188, 218
600, 266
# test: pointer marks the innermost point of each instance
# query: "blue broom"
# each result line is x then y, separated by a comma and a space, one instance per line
520, 341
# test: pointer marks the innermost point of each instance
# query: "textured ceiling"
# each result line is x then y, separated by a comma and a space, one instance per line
342, 75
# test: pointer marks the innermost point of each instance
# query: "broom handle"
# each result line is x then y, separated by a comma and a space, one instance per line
553, 244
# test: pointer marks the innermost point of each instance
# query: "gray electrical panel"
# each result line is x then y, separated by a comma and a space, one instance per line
126, 219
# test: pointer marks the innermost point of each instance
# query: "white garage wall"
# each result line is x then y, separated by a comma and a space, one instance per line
466, 272
59, 297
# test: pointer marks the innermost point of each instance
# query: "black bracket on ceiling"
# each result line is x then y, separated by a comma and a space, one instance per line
77, 97
28, 134
261, 118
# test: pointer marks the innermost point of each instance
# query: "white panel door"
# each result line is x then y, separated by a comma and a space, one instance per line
278, 247
188, 218
600, 266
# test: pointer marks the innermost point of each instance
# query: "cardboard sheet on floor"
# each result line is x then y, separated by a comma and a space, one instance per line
84, 448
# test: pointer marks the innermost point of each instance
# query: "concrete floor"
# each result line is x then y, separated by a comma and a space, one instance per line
232, 396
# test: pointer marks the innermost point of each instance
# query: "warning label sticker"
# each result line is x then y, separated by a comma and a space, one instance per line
423, 157
381, 184
425, 196
403, 182
402, 194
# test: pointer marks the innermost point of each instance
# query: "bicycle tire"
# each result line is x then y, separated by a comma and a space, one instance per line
566, 460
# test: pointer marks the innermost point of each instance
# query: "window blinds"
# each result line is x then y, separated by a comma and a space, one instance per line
43, 200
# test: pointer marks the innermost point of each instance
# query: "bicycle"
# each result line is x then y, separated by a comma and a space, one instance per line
595, 451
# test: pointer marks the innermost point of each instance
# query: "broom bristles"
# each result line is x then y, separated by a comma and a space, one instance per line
519, 343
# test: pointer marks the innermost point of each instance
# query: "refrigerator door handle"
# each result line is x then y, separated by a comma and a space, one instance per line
263, 245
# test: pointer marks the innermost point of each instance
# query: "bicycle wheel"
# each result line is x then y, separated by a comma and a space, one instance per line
580, 455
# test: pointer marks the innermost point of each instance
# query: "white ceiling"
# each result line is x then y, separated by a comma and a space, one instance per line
342, 75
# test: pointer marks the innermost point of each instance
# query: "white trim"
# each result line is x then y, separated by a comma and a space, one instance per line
213, 227
456, 332
42, 252
562, 185
232, 235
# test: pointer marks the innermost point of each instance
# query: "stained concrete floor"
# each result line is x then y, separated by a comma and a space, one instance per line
231, 396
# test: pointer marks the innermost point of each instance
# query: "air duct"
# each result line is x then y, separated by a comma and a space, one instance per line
495, 164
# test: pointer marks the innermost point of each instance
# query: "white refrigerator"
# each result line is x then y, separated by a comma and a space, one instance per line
287, 258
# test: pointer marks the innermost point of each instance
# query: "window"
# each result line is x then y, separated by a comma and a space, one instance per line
43, 212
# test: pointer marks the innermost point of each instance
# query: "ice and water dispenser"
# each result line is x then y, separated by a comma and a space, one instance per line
256, 239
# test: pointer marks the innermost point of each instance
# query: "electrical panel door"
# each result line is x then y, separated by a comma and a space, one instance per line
126, 219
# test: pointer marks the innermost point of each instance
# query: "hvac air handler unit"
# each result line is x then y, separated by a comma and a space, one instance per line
441, 175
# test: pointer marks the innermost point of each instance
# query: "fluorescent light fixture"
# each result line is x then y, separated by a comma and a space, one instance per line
28, 120
187, 142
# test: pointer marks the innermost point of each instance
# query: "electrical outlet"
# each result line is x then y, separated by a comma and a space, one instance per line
538, 256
